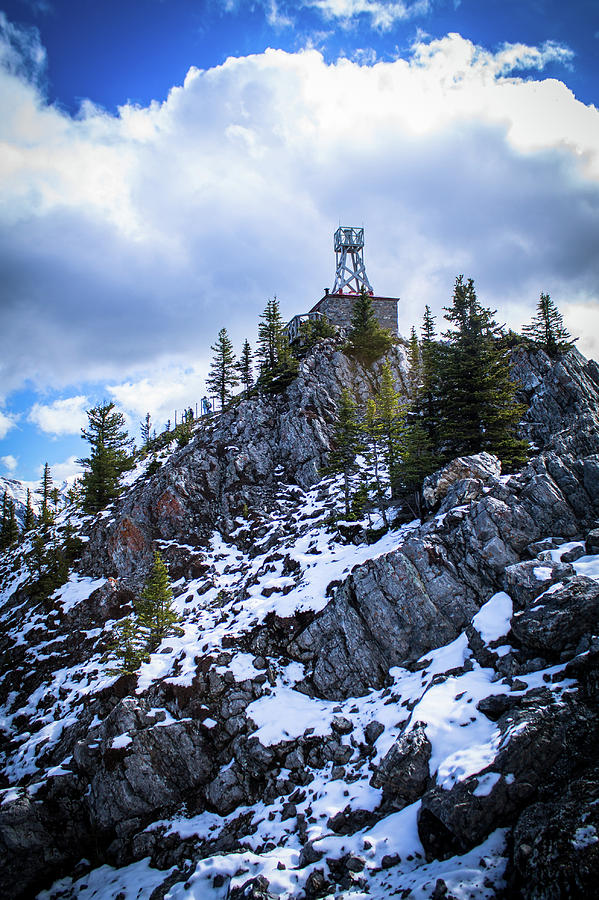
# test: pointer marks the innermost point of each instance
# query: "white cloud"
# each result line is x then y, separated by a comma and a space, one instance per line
67, 470
61, 417
9, 462
127, 241
7, 421
383, 14
168, 392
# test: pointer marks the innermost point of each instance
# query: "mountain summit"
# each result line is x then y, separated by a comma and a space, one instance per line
341, 709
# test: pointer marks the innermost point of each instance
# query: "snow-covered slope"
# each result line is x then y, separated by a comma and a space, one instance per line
346, 712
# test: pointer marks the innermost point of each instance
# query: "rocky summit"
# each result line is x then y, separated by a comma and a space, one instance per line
345, 710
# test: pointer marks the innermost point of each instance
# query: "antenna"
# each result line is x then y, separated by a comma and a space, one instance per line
349, 257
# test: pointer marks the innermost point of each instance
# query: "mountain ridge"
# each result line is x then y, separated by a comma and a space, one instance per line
299, 717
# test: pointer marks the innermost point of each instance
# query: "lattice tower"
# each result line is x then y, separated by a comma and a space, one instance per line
349, 257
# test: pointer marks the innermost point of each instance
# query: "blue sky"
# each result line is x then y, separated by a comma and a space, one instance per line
163, 172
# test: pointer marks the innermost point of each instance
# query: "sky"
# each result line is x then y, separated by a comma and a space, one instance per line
167, 166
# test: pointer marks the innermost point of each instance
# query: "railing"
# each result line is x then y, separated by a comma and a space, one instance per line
293, 327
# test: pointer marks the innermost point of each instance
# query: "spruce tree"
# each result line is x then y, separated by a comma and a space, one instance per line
367, 339
128, 644
426, 404
157, 617
391, 418
223, 377
547, 328
45, 492
414, 363
245, 367
278, 364
477, 395
9, 527
145, 428
109, 458
416, 460
375, 453
346, 444
29, 514
271, 336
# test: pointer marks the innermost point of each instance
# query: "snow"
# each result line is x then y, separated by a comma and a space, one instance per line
76, 589
121, 741
492, 621
585, 836
542, 573
486, 784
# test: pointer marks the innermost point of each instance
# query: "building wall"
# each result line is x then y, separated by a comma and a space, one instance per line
338, 309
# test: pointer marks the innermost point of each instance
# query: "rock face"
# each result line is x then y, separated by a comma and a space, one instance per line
447, 673
235, 463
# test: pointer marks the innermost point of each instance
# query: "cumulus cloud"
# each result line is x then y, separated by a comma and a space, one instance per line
128, 240
66, 470
7, 421
166, 394
61, 417
9, 462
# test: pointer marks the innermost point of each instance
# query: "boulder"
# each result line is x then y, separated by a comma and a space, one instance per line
482, 468
525, 581
559, 619
403, 772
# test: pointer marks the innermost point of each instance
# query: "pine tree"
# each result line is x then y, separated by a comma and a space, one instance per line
367, 339
414, 363
547, 328
278, 364
45, 491
128, 645
271, 337
245, 367
109, 458
9, 527
145, 428
157, 616
416, 460
426, 406
346, 443
373, 437
29, 514
391, 418
477, 395
223, 377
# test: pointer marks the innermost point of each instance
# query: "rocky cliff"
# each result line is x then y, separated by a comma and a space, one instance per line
411, 712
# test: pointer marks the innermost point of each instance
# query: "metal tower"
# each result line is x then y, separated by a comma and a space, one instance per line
349, 257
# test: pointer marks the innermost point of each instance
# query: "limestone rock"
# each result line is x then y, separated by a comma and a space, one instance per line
482, 467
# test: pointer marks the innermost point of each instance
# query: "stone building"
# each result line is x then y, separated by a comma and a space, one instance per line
350, 278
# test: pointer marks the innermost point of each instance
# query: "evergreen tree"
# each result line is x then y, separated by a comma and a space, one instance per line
414, 363
271, 337
9, 527
278, 365
547, 328
375, 453
416, 460
245, 367
391, 418
223, 377
128, 645
157, 616
45, 491
367, 339
477, 395
347, 443
426, 405
109, 458
29, 514
145, 428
